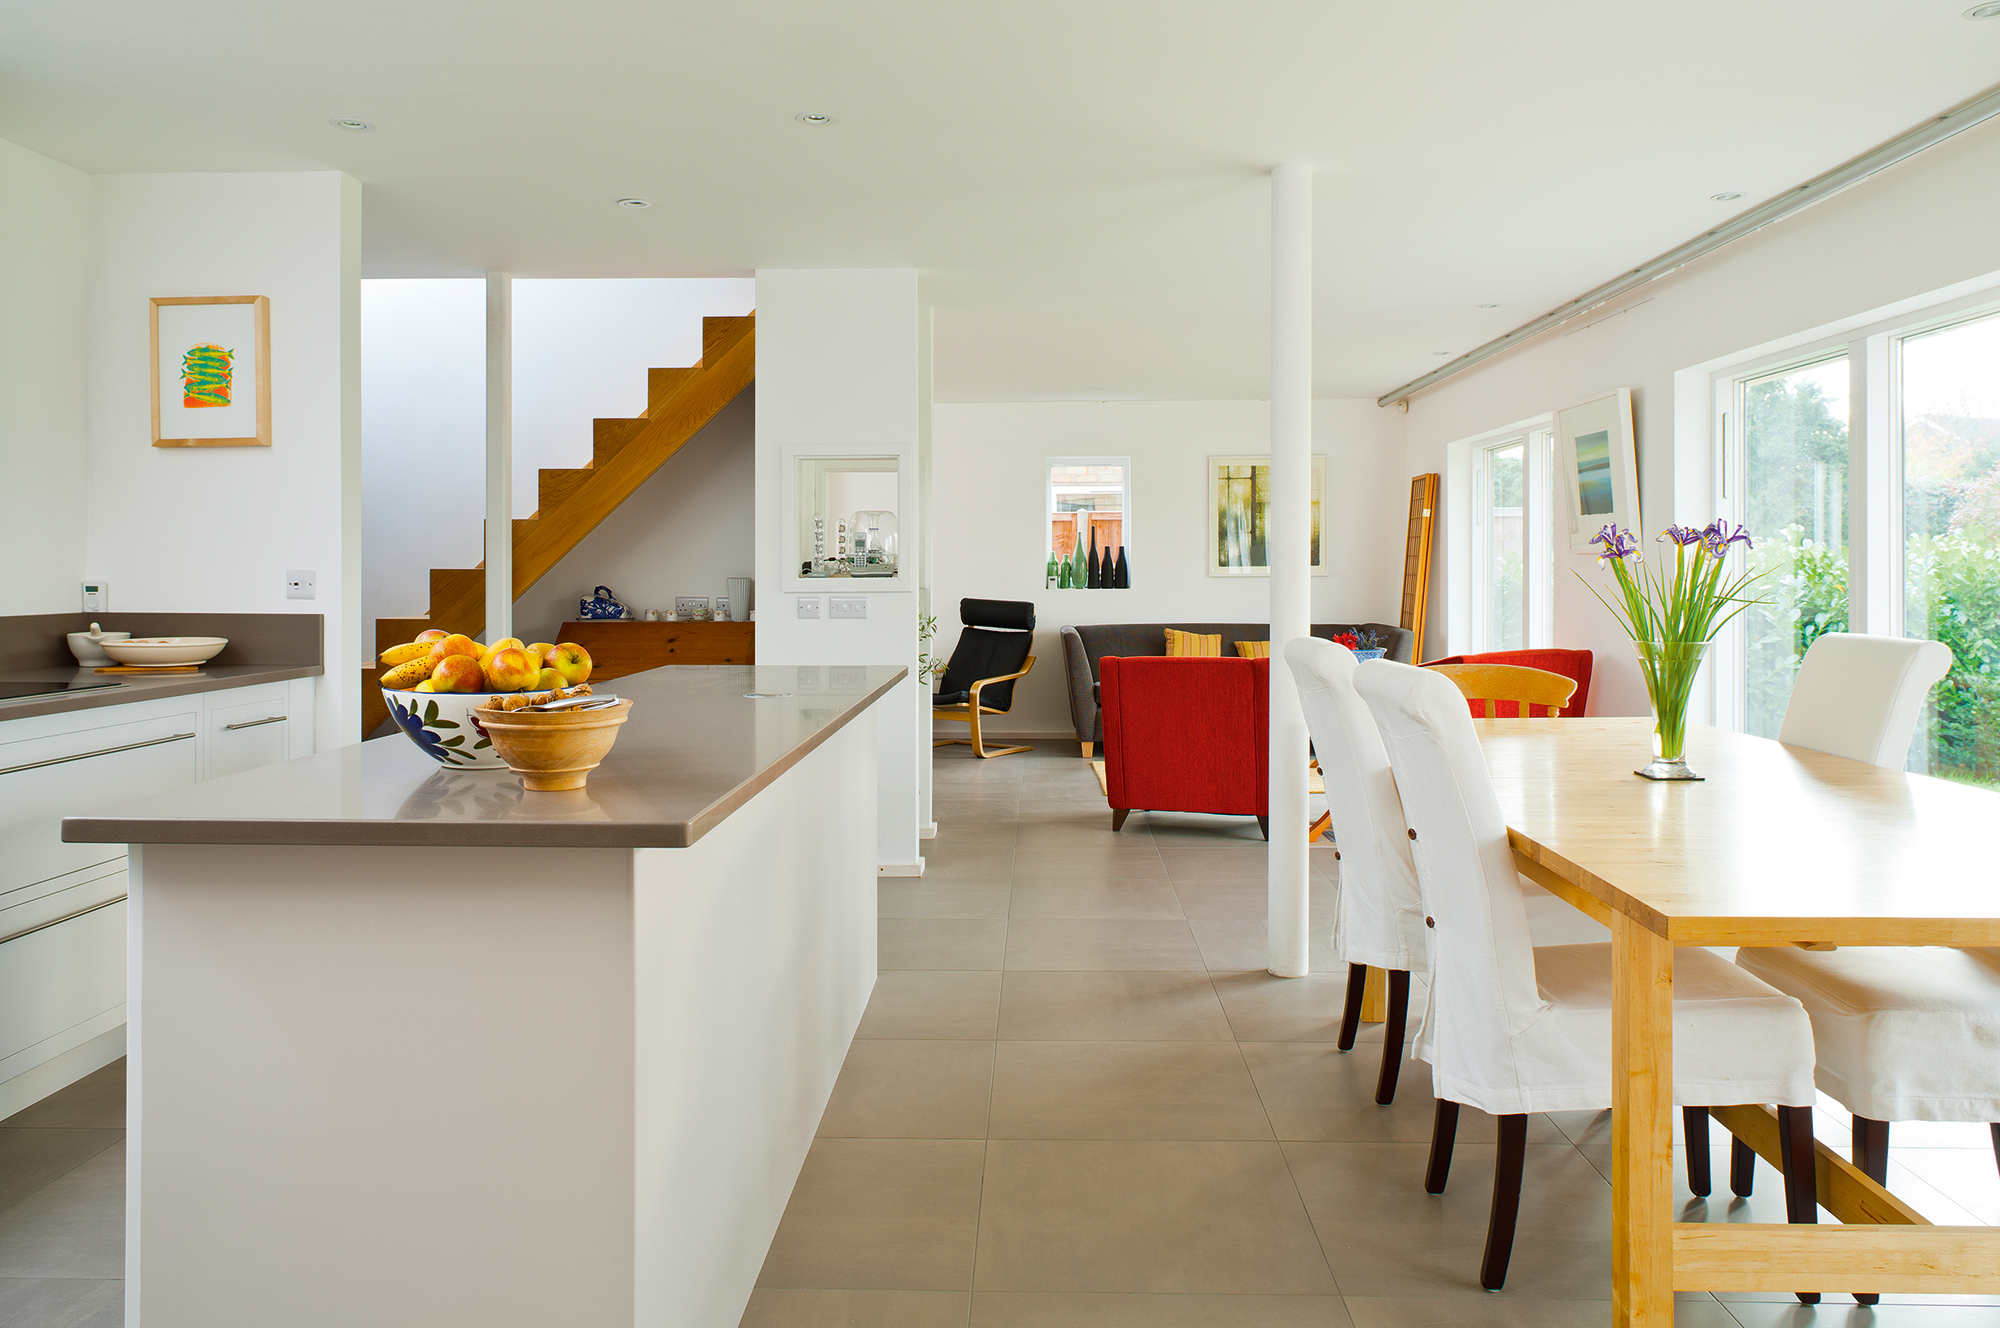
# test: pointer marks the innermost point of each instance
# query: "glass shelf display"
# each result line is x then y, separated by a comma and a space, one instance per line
846, 510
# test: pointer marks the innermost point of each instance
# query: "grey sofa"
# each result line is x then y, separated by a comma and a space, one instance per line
1086, 643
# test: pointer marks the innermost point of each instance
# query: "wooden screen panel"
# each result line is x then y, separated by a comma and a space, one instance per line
1417, 559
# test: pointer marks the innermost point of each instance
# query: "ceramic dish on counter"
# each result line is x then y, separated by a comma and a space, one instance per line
88, 647
443, 727
554, 750
165, 651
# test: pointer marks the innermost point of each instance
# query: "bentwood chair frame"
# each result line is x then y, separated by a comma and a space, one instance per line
969, 713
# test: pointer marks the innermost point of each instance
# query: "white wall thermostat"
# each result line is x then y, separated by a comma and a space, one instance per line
96, 597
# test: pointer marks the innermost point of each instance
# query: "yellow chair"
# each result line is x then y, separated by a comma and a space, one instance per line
1510, 682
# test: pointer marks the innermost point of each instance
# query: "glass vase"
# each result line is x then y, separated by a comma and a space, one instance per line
1669, 670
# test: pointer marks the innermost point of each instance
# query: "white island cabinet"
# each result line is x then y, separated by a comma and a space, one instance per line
62, 909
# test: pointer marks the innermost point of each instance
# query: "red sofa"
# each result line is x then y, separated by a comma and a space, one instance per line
1570, 663
1186, 735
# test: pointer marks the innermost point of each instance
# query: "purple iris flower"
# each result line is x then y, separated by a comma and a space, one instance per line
1617, 543
1682, 535
1718, 537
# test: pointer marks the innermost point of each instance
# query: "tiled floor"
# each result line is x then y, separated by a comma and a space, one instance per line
1077, 1101
62, 1207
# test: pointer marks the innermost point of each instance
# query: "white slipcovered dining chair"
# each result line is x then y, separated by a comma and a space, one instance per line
1514, 1028
1379, 916
1901, 1033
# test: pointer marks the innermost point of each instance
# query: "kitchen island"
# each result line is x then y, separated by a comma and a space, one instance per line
411, 1046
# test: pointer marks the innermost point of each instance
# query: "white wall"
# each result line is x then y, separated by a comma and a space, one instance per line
1919, 227
581, 352
989, 489
837, 363
44, 258
215, 529
686, 531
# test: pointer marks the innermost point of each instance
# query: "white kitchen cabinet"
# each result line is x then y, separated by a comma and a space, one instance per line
244, 728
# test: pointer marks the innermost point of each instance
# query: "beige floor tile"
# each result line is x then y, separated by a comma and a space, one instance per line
1236, 945
1062, 835
1836, 1312
1171, 1007
880, 1215
31, 1158
1042, 1309
94, 1102
1127, 860
1506, 1311
72, 1227
1241, 899
959, 943
1124, 1090
1039, 943
776, 1308
1267, 1009
1314, 1093
1060, 897
918, 1004
929, 896
1212, 864
1195, 830
62, 1302
920, 1089
1381, 1185
977, 863
1159, 1217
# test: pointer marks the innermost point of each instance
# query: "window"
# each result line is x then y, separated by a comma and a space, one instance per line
1088, 496
1794, 455
1508, 563
1950, 427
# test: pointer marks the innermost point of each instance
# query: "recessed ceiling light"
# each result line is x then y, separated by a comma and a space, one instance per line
1489, 306
1983, 11
633, 203
813, 117
1726, 197
354, 126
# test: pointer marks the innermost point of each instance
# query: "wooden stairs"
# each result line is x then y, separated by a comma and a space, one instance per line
572, 502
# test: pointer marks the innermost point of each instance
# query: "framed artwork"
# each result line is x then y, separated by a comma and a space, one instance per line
211, 371
1239, 491
1597, 467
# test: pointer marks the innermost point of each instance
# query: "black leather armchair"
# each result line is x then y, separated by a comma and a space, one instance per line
991, 653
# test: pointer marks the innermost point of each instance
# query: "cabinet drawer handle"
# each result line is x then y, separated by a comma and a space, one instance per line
253, 723
57, 922
85, 756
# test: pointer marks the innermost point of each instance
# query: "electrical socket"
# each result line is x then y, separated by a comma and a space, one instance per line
848, 606
809, 606
96, 597
299, 584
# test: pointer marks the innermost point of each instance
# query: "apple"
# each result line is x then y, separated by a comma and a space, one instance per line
456, 644
572, 661
540, 650
457, 673
547, 681
509, 669
433, 635
487, 652
425, 686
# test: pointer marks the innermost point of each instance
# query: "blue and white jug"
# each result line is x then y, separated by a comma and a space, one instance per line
601, 604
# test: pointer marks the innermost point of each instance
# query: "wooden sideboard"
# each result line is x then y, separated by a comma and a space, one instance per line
620, 647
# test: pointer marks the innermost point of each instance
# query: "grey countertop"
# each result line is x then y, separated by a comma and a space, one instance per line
139, 686
694, 748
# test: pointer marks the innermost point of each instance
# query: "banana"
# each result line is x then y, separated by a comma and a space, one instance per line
404, 654
407, 674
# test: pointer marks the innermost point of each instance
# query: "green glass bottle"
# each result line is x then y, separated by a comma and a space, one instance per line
1050, 582
1076, 571
1062, 575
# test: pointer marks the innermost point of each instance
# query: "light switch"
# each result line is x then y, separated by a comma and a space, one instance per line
809, 606
848, 606
299, 584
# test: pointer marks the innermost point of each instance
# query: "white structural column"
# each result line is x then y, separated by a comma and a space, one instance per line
1289, 542
499, 456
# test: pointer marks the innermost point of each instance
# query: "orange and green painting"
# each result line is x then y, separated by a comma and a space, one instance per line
207, 371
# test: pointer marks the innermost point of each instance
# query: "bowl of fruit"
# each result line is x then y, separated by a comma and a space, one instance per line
434, 683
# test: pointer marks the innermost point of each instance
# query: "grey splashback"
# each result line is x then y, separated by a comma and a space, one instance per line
39, 640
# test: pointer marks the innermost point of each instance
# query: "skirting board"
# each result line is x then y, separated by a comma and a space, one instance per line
60, 1071
901, 868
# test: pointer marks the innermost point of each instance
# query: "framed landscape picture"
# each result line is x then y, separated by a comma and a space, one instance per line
211, 378
1239, 492
1597, 468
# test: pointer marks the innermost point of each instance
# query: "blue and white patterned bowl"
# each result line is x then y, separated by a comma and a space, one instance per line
443, 727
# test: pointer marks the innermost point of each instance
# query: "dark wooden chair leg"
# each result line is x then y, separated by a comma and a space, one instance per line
1444, 1133
1694, 1124
1871, 1156
1392, 1036
1264, 828
1995, 1127
1506, 1201
1742, 1168
1795, 1151
1350, 1013
1118, 815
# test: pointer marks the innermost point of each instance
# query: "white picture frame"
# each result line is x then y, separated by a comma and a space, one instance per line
1235, 536
1597, 467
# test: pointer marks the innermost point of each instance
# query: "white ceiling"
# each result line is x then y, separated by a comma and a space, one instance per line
1082, 183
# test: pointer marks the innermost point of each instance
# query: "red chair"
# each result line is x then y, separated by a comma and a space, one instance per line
1570, 663
1186, 735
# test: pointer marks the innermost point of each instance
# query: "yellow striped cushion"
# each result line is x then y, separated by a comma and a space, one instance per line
1254, 649
1181, 645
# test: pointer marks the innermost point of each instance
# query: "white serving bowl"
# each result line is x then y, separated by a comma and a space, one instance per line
443, 727
162, 651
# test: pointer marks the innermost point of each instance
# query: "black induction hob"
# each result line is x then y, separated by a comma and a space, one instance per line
21, 691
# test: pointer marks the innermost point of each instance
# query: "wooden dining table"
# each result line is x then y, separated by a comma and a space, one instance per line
1778, 845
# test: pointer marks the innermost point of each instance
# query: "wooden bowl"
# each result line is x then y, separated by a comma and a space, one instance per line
552, 750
